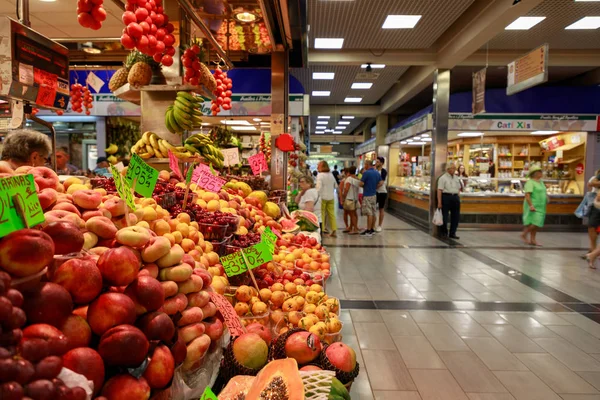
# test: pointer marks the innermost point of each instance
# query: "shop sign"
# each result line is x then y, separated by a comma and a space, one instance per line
230, 317
478, 103
528, 71
579, 169
255, 104
413, 128
208, 394
123, 189
489, 122
174, 165
365, 147
19, 204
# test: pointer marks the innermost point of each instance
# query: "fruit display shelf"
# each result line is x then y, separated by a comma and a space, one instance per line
133, 94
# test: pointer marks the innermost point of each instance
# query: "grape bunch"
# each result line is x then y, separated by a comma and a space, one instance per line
29, 358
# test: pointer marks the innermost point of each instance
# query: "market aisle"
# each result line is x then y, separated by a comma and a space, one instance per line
483, 318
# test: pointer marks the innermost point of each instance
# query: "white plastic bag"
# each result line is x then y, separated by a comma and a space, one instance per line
438, 219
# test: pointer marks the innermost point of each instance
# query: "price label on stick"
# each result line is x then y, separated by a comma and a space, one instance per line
145, 174
19, 189
208, 394
258, 163
197, 170
232, 156
123, 188
229, 315
210, 182
257, 255
190, 173
174, 165
233, 264
269, 238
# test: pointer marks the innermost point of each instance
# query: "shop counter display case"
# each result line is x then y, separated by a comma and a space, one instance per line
482, 204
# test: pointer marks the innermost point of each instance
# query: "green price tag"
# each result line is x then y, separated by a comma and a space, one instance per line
123, 188
208, 394
19, 188
146, 176
268, 236
190, 172
233, 264
257, 255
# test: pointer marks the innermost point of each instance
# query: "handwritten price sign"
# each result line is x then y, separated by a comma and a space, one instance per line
123, 188
174, 165
19, 188
198, 170
258, 163
269, 238
232, 156
229, 315
208, 394
249, 258
210, 182
233, 264
145, 174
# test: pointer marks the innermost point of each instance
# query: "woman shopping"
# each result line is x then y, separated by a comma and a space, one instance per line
326, 186
350, 199
308, 198
534, 206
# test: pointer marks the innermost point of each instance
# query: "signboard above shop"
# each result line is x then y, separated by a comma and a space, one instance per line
528, 70
32, 67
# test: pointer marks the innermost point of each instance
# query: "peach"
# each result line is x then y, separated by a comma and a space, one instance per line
164, 175
66, 236
170, 237
121, 222
47, 197
193, 284
188, 245
90, 239
196, 350
66, 206
206, 278
147, 294
41, 340
209, 310
178, 350
170, 288
175, 304
160, 370
98, 250
123, 346
191, 315
87, 199
81, 311
26, 252
44, 177
81, 278
71, 180
119, 266
24, 169
101, 226
87, 362
212, 257
199, 299
102, 191
47, 303
173, 257
59, 215
110, 310
133, 236
157, 326
157, 248
126, 387
194, 235
115, 206
149, 270
195, 254
191, 332
95, 213
187, 259
178, 273
75, 187
77, 331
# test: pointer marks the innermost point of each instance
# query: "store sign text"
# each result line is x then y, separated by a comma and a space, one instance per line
514, 125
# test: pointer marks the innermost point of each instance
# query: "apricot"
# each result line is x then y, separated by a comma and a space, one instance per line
149, 214
161, 227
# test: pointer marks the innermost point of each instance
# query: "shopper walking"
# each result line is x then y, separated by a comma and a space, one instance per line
370, 181
381, 191
449, 201
594, 213
336, 174
344, 176
326, 186
534, 206
593, 255
308, 198
349, 191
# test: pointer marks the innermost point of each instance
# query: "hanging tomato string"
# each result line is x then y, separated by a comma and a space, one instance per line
223, 92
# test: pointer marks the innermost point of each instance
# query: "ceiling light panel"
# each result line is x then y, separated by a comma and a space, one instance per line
524, 23
243, 128
374, 66
344, 123
329, 43
351, 116
340, 127
323, 117
323, 75
321, 93
585, 23
401, 21
362, 85
352, 99
234, 122
322, 122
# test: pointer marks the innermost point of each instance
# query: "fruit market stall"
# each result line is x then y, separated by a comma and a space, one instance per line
108, 290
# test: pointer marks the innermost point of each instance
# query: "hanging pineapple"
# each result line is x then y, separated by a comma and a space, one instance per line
120, 77
140, 73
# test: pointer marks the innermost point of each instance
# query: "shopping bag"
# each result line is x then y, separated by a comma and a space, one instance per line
583, 210
438, 219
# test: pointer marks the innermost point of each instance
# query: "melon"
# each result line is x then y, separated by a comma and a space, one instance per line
279, 379
244, 187
260, 196
288, 225
272, 210
307, 221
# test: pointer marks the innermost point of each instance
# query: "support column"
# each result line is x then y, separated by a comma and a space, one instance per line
279, 116
382, 127
439, 136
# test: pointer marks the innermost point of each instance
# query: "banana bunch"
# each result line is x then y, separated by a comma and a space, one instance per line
151, 145
184, 114
112, 149
204, 146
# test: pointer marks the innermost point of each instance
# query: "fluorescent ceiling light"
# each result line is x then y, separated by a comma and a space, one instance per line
329, 43
344, 123
418, 143
403, 142
401, 21
323, 75
323, 117
361, 85
319, 132
416, 137
322, 122
586, 23
321, 93
234, 122
425, 135
243, 128
341, 127
409, 140
587, 0
374, 66
256, 119
329, 130
524, 23
205, 123
470, 134
265, 123
352, 117
353, 99
337, 132
426, 139
544, 132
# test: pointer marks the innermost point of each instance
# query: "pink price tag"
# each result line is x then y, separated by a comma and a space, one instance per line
229, 315
210, 182
174, 165
258, 163
198, 170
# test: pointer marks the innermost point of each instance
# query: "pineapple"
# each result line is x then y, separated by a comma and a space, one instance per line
120, 77
207, 79
140, 73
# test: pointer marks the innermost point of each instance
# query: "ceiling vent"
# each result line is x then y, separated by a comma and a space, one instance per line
367, 75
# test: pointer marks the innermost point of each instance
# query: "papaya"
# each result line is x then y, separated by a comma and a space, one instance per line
281, 379
237, 387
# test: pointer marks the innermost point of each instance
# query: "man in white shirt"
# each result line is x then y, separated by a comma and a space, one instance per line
449, 201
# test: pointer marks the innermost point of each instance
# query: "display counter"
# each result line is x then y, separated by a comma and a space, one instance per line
409, 198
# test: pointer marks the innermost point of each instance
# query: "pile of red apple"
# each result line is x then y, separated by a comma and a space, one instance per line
91, 13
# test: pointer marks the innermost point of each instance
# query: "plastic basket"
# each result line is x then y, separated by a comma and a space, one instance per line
213, 232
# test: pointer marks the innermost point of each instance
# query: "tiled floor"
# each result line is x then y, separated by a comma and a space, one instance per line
435, 320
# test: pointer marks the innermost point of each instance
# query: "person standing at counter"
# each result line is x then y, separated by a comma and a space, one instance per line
63, 167
464, 178
370, 181
24, 147
381, 191
350, 199
534, 206
448, 200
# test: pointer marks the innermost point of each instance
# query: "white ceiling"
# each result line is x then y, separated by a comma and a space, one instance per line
58, 19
